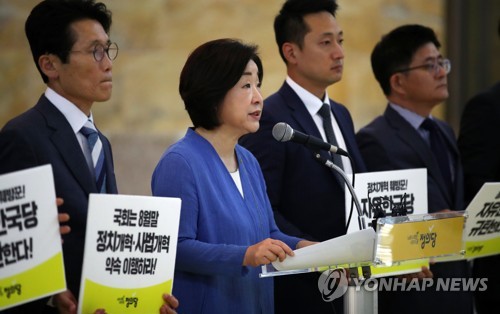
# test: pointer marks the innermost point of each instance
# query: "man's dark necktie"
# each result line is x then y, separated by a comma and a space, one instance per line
324, 112
439, 149
95, 146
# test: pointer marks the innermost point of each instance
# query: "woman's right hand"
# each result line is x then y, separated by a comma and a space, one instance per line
265, 252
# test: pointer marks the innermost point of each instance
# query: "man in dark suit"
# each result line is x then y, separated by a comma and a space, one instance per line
74, 55
479, 146
412, 73
307, 197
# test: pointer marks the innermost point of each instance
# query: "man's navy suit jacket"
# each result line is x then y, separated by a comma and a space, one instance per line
306, 196
391, 143
41, 136
479, 145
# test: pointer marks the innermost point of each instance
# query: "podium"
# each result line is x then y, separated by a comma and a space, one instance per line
396, 241
394, 246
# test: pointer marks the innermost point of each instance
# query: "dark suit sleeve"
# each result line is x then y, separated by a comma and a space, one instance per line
374, 155
271, 156
15, 152
479, 143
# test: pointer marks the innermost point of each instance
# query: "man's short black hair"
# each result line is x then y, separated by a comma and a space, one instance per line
396, 49
289, 25
48, 27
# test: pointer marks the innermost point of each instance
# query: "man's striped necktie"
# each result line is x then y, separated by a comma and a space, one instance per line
95, 146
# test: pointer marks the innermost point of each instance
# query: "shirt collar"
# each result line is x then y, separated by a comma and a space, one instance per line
75, 116
414, 119
312, 103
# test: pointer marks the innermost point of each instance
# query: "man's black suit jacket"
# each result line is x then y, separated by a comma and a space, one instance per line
306, 197
40, 136
391, 143
479, 144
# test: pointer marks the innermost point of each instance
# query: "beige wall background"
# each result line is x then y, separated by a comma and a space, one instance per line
146, 113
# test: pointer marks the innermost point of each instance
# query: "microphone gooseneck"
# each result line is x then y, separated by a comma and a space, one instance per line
283, 132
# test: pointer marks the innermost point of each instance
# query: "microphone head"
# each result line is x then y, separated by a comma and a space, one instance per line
282, 132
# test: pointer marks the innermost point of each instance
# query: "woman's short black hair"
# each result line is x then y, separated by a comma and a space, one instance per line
211, 70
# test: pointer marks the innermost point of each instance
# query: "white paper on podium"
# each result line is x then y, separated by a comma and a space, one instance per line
356, 247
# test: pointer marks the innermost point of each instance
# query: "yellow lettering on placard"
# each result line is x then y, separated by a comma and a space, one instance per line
421, 239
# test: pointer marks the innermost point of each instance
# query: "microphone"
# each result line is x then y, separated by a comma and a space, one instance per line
282, 132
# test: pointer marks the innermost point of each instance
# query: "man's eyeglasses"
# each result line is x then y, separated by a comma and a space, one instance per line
111, 51
432, 68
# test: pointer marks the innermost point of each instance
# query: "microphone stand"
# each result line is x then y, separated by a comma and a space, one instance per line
363, 300
330, 164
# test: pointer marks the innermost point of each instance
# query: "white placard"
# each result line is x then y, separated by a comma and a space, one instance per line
387, 190
482, 227
31, 261
130, 249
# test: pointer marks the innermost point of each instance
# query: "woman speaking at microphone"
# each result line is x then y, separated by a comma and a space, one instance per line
227, 229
